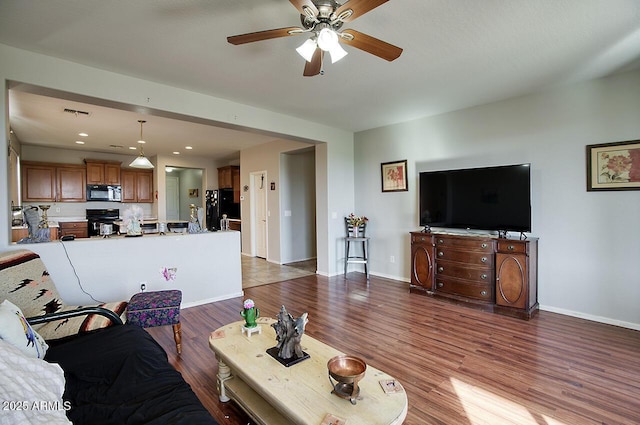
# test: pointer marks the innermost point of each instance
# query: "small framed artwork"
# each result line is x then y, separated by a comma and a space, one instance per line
394, 176
613, 166
193, 193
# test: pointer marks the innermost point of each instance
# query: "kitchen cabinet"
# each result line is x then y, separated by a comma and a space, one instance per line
18, 233
137, 186
103, 172
229, 177
79, 229
47, 182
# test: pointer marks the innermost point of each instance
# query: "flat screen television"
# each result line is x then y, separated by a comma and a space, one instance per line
489, 198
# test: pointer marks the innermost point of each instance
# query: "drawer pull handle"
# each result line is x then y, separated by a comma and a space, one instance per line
422, 239
440, 284
511, 248
483, 293
483, 276
440, 241
440, 254
440, 269
484, 245
483, 259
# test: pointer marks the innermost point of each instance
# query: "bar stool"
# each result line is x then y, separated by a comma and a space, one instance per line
157, 308
356, 234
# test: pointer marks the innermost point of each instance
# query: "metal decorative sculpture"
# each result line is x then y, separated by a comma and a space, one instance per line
289, 333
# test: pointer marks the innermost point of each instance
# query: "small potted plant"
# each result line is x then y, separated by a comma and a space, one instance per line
250, 313
356, 221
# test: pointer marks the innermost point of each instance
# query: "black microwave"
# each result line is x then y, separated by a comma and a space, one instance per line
103, 192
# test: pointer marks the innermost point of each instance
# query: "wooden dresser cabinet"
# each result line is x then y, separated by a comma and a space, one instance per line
79, 229
494, 274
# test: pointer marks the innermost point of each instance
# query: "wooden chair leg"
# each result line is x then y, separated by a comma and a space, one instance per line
177, 336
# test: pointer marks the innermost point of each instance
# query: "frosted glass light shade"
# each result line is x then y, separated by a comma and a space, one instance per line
337, 53
307, 49
141, 162
327, 39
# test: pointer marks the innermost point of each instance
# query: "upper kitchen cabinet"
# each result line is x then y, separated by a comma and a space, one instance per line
137, 186
103, 172
226, 176
229, 178
46, 182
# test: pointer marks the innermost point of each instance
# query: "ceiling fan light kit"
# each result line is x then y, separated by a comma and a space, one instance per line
324, 19
141, 161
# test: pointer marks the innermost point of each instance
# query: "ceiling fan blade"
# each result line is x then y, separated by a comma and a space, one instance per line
371, 45
315, 66
359, 8
264, 35
298, 4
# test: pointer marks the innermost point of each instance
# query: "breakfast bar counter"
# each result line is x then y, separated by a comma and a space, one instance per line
111, 269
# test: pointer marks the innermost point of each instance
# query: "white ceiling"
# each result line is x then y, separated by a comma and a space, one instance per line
456, 54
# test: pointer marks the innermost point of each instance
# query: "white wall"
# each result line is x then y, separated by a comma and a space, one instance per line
298, 206
589, 248
265, 157
45, 71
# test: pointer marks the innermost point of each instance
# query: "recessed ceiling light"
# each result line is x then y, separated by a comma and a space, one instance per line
83, 135
188, 147
79, 142
176, 153
133, 148
168, 169
141, 142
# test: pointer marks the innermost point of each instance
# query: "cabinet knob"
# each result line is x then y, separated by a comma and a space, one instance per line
483, 293
440, 254
422, 239
440, 241
440, 269
483, 276
483, 259
511, 248
484, 245
440, 284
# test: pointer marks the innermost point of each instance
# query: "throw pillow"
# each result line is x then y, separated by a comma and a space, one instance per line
15, 330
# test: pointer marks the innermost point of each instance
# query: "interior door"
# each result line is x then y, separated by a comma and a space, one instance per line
173, 198
259, 216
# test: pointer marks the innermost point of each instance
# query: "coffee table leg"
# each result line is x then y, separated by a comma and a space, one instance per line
224, 373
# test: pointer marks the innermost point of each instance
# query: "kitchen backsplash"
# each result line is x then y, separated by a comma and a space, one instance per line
78, 209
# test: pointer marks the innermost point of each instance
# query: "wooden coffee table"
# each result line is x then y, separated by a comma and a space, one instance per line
299, 394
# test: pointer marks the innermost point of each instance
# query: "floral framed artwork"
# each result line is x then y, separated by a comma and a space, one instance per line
394, 176
613, 166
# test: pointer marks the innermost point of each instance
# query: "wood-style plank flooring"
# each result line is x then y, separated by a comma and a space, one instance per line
458, 365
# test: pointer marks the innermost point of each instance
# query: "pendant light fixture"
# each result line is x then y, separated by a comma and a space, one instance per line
141, 161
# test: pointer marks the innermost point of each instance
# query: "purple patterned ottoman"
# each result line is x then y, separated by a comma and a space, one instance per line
157, 308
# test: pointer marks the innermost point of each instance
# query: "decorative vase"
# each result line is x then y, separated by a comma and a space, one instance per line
356, 231
250, 315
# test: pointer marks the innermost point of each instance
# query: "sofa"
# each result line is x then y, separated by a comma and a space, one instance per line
96, 371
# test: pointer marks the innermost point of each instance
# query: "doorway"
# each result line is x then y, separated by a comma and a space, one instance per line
259, 213
173, 197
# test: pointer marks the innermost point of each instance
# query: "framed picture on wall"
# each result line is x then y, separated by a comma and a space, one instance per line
193, 193
394, 176
613, 166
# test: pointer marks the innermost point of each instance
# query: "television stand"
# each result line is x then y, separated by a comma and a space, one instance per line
493, 274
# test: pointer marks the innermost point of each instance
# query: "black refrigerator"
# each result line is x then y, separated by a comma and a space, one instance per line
220, 201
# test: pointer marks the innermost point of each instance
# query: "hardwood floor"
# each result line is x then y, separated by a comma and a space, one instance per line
458, 365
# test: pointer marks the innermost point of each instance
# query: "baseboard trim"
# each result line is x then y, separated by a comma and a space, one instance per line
211, 300
591, 317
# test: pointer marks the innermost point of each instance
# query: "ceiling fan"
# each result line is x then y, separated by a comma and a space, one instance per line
324, 19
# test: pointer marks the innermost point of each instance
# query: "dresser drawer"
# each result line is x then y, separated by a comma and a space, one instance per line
515, 247
485, 245
463, 271
468, 257
464, 288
